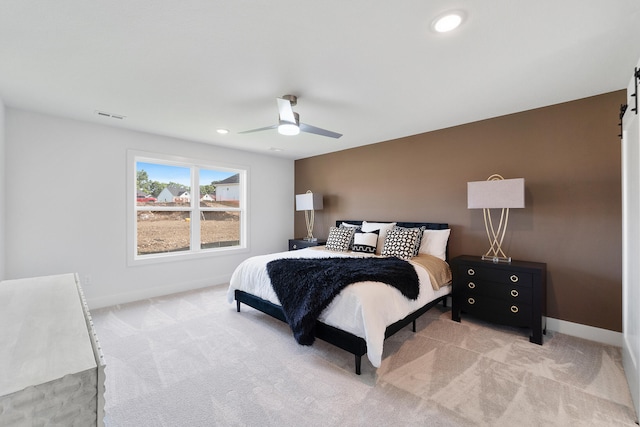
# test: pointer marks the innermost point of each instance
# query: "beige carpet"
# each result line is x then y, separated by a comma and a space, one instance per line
191, 360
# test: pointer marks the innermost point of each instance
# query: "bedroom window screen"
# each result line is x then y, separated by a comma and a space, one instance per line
186, 208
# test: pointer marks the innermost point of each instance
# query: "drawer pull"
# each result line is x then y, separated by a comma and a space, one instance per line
471, 285
471, 301
514, 293
514, 278
471, 272
514, 309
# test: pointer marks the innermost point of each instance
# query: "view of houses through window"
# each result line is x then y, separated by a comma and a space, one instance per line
173, 214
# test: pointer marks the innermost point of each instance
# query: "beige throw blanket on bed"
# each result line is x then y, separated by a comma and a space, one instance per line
439, 271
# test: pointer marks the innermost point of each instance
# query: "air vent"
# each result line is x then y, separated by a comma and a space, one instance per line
113, 116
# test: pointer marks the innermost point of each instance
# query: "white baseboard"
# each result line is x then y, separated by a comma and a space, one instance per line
592, 333
632, 373
123, 298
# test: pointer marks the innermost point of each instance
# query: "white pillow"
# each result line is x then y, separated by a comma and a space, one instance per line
365, 242
384, 228
434, 242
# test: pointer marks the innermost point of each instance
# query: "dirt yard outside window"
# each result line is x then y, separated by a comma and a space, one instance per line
160, 232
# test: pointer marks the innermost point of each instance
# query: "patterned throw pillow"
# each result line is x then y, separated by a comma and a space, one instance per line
402, 242
365, 242
339, 239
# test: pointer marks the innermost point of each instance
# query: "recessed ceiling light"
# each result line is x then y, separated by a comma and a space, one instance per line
447, 21
223, 131
275, 149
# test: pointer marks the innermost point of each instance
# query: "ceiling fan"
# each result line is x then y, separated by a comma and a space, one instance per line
289, 121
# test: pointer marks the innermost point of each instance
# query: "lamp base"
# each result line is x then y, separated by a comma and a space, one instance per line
496, 259
309, 216
496, 236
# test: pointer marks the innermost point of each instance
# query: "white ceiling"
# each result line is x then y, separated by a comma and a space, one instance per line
371, 70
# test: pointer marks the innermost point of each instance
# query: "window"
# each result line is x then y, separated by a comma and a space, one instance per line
184, 207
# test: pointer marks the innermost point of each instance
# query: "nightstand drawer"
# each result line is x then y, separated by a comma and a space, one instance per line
295, 244
498, 311
513, 293
497, 275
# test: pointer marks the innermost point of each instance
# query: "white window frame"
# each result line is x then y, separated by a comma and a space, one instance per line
195, 251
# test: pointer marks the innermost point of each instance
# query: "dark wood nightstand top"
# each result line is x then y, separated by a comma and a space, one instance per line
514, 264
295, 244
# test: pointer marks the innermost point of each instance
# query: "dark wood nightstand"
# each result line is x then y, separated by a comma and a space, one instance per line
295, 244
513, 294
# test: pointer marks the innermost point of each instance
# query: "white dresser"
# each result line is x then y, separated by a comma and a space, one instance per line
51, 364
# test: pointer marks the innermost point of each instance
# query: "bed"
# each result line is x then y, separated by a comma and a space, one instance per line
363, 314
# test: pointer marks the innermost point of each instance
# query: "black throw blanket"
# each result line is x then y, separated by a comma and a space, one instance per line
306, 286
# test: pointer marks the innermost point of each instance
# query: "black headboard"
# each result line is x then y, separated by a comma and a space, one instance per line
428, 225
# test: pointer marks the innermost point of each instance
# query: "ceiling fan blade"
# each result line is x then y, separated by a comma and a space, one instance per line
260, 129
318, 131
285, 110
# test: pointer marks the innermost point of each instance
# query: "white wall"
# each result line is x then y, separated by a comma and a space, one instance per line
66, 207
2, 191
631, 243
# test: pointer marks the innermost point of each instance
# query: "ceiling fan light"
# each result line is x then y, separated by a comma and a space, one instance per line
288, 129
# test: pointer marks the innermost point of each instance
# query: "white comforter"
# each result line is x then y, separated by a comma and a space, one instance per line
364, 309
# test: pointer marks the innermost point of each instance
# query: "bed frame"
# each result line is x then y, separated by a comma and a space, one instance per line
345, 340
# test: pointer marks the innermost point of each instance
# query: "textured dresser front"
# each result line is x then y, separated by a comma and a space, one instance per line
51, 365
512, 294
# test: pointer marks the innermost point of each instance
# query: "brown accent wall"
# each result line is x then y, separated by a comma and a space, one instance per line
569, 155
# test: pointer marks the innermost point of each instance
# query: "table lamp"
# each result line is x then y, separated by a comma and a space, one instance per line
309, 203
496, 193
